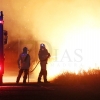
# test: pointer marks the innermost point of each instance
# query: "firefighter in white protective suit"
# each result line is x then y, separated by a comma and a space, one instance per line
23, 64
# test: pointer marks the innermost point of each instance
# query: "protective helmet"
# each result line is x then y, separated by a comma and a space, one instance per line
25, 49
42, 45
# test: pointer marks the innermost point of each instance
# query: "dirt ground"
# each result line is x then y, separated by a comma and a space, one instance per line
34, 91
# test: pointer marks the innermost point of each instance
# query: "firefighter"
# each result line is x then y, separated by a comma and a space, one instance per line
43, 57
23, 64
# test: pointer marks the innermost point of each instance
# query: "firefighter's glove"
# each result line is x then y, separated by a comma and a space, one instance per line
48, 55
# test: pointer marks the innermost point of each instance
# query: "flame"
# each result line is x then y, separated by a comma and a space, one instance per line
79, 51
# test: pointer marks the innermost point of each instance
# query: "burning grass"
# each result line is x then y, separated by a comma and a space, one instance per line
86, 81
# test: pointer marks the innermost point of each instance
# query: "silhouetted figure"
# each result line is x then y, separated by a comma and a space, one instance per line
43, 56
23, 64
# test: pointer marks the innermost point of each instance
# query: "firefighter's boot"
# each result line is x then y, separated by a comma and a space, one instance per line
17, 80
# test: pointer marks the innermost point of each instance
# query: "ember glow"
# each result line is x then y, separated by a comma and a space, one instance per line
69, 28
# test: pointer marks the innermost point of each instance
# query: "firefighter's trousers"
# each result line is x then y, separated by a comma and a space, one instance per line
20, 74
43, 73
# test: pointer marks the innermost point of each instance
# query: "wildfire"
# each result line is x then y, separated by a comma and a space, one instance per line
69, 28
79, 51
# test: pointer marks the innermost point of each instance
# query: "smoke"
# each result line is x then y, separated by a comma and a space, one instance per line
60, 24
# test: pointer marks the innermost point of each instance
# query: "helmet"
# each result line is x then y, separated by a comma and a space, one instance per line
25, 49
42, 45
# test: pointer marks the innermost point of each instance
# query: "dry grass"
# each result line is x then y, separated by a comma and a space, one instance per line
90, 80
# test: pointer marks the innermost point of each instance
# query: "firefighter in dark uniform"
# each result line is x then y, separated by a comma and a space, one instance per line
23, 64
43, 57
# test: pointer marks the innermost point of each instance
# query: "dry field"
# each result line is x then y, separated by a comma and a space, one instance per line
65, 87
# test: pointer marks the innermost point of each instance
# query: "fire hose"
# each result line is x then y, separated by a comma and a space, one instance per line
32, 70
